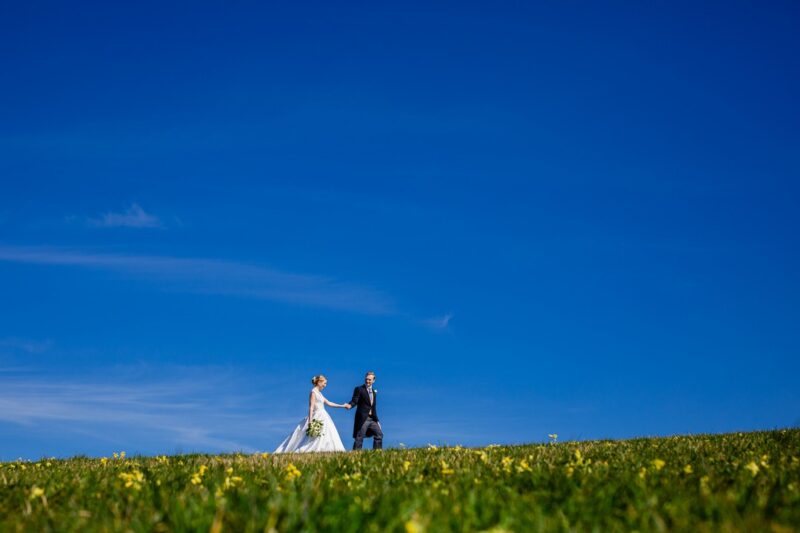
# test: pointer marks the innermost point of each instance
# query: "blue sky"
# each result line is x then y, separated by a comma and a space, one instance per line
527, 219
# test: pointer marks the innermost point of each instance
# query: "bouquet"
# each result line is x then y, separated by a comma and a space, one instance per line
315, 428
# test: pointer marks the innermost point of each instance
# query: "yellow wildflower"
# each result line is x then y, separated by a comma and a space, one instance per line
406, 465
446, 471
292, 472
704, 486
659, 463
523, 466
413, 526
642, 472
197, 477
752, 467
36, 492
507, 462
231, 482
264, 455
133, 479
688, 469
122, 455
103, 460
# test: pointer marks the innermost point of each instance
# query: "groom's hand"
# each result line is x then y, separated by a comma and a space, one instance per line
348, 406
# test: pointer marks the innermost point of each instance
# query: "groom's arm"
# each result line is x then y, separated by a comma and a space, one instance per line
356, 393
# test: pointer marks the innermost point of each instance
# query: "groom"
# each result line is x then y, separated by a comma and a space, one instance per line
365, 398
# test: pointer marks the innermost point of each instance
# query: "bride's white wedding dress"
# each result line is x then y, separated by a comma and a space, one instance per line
299, 442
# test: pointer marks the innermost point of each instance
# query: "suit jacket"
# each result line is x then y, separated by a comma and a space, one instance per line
363, 407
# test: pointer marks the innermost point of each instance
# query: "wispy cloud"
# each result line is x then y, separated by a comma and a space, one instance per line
212, 276
30, 346
193, 409
133, 217
438, 322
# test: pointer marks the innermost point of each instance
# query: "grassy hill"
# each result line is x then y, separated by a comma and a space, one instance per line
732, 482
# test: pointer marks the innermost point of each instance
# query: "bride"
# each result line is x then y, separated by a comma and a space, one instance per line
328, 441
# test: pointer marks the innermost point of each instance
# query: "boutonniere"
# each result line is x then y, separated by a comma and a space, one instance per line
374, 391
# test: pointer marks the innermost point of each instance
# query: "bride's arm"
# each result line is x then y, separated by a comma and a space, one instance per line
331, 404
310, 405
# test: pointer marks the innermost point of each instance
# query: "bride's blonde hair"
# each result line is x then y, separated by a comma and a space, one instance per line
317, 379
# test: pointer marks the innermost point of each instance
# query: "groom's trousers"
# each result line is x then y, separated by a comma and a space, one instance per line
377, 435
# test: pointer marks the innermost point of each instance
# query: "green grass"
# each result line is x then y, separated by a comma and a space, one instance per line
733, 482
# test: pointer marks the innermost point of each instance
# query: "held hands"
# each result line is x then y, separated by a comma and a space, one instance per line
347, 406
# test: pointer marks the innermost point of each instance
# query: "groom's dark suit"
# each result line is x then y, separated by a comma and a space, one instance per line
366, 422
